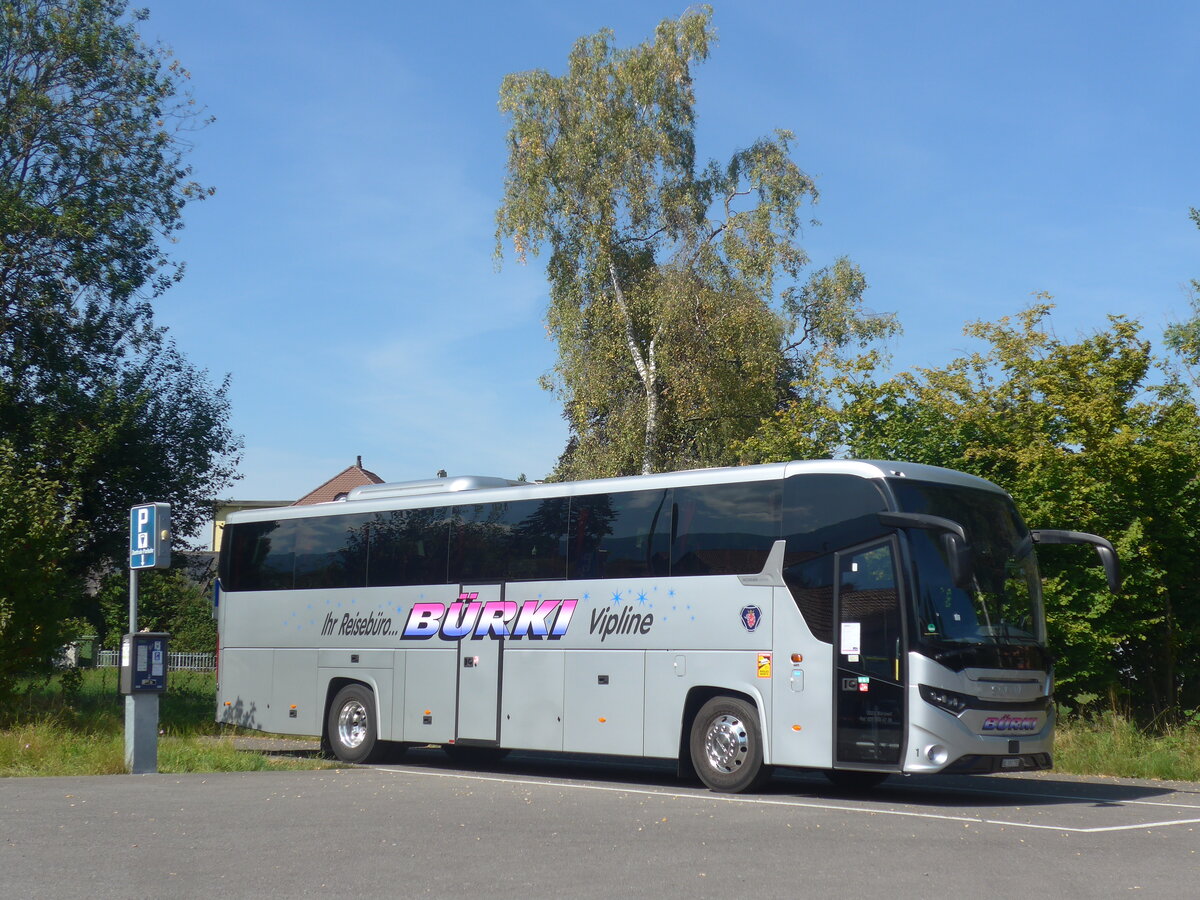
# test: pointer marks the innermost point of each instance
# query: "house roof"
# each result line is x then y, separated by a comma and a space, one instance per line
340, 484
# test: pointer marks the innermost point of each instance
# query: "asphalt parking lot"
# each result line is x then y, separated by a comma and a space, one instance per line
555, 826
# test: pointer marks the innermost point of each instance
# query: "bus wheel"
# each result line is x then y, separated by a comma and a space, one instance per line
854, 780
726, 746
351, 727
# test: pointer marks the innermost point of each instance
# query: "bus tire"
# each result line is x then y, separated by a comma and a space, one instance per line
726, 746
352, 730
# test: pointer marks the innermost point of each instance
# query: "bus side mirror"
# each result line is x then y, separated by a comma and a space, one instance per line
1104, 549
959, 557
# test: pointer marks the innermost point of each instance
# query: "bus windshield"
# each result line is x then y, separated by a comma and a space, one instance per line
1002, 604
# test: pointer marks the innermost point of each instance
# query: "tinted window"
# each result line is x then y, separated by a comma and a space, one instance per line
811, 584
724, 529
331, 551
518, 541
408, 546
823, 513
620, 535
261, 555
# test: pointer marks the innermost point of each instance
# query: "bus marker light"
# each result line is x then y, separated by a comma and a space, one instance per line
797, 658
602, 720
797, 728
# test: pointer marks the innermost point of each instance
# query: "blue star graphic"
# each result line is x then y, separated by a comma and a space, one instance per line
642, 598
616, 598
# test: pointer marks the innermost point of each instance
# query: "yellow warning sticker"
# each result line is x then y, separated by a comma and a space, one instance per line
764, 665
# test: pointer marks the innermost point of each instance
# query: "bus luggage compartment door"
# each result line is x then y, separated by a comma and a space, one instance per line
479, 674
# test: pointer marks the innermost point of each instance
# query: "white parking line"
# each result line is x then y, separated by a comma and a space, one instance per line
1047, 796
803, 804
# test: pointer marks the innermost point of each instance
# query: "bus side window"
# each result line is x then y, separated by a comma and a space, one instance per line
811, 586
331, 552
522, 540
724, 529
408, 546
622, 535
261, 555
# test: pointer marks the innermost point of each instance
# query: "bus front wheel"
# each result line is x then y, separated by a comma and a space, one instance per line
351, 727
726, 746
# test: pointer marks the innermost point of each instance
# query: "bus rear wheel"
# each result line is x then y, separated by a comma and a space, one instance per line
351, 728
726, 746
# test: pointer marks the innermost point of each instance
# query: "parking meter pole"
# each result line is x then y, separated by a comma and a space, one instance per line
141, 733
133, 600
141, 710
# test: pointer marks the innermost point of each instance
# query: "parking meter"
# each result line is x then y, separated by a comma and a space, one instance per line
144, 663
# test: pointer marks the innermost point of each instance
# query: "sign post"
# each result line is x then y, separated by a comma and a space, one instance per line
144, 656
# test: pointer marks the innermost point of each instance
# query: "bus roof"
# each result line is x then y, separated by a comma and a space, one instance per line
471, 489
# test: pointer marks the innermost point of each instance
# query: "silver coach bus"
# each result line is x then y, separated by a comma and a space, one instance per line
860, 618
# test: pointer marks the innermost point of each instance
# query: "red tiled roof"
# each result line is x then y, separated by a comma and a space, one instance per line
340, 485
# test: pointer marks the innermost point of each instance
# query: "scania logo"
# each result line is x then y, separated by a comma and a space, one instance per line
1010, 723
751, 616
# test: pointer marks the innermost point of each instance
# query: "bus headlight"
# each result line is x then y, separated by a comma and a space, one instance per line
951, 701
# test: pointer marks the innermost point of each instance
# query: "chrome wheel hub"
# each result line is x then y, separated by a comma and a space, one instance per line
352, 724
726, 743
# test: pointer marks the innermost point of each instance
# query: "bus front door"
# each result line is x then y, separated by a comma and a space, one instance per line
869, 677
478, 717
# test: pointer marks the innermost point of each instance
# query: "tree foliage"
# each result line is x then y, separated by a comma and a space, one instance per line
1092, 435
675, 293
97, 406
35, 583
1184, 337
171, 600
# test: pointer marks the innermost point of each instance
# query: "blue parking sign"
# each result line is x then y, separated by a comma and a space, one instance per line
150, 536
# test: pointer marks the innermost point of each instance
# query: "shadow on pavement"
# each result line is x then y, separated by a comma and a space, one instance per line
954, 791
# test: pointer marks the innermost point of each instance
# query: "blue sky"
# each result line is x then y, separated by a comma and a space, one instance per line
968, 155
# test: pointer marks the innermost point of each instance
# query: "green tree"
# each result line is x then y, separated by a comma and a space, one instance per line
1184, 337
1095, 435
97, 406
675, 297
37, 533
170, 600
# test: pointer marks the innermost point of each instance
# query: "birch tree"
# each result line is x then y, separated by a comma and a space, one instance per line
675, 293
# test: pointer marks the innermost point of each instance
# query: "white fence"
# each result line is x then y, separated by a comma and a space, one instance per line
195, 661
